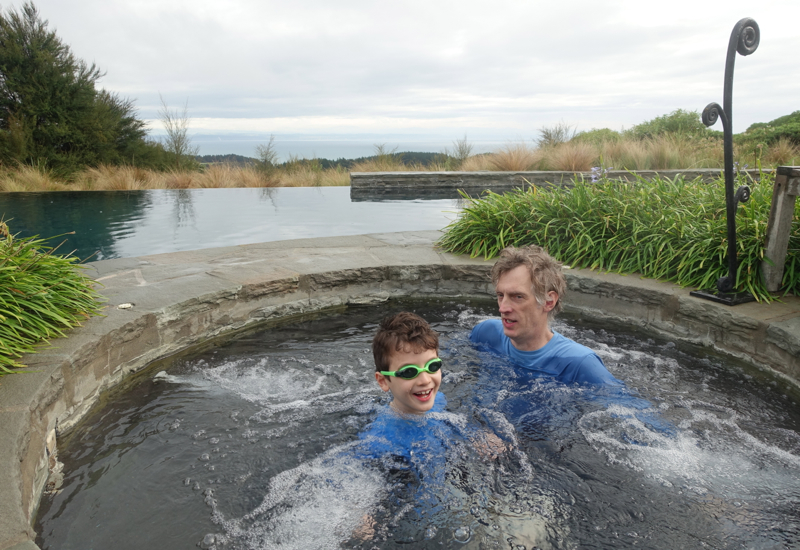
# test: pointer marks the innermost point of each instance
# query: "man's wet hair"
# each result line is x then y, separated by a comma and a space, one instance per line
545, 271
404, 331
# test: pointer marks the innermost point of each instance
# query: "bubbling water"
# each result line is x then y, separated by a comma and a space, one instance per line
256, 445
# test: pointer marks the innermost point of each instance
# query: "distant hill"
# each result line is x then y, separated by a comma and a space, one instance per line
407, 158
225, 159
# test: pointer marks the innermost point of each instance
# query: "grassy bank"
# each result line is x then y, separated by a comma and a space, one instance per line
41, 295
580, 153
673, 230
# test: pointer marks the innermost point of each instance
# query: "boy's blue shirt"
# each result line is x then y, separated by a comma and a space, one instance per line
406, 435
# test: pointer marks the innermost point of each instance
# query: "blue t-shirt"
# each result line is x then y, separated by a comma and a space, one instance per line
561, 358
408, 435
551, 410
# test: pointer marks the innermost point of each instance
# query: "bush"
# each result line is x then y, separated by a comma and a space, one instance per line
41, 295
763, 135
550, 136
665, 229
678, 122
597, 136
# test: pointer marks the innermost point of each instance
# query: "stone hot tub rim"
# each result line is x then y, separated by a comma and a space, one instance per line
182, 299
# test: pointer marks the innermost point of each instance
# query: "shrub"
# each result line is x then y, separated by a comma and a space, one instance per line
550, 136
41, 295
678, 122
597, 136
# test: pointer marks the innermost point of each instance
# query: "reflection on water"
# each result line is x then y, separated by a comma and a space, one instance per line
121, 224
255, 445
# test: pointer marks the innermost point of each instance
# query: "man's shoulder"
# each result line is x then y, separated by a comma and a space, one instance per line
581, 364
487, 331
561, 345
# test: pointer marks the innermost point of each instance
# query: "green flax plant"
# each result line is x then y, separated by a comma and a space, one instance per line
42, 294
670, 229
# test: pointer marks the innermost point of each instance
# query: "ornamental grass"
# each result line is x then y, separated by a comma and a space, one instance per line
42, 295
669, 229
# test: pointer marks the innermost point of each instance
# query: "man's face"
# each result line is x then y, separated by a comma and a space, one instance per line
524, 320
415, 396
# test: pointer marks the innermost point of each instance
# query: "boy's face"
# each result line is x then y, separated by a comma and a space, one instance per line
414, 396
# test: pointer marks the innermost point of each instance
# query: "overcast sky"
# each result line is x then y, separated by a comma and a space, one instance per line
493, 70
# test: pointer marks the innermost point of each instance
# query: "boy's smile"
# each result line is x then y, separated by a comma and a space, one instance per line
414, 396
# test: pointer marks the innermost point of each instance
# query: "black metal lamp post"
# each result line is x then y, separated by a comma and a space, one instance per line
744, 39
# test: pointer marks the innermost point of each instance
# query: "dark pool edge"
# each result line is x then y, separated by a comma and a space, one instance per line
182, 298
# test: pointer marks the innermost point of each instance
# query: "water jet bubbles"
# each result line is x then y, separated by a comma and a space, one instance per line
430, 532
462, 534
208, 542
205, 457
198, 434
214, 440
196, 486
187, 482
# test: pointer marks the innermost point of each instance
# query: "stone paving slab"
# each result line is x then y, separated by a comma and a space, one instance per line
182, 299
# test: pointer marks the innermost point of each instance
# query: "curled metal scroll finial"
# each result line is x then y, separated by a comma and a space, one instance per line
742, 194
712, 113
749, 36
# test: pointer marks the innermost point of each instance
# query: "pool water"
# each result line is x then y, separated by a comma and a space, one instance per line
124, 224
254, 444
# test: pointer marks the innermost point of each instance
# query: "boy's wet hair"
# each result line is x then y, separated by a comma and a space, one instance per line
545, 272
404, 331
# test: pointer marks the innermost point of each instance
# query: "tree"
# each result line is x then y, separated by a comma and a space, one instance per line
50, 111
267, 156
177, 142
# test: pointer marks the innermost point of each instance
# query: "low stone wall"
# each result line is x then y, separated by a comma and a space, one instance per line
364, 185
184, 299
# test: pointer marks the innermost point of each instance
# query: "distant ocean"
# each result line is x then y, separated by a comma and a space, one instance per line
332, 149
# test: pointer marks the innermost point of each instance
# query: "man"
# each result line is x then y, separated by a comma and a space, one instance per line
529, 284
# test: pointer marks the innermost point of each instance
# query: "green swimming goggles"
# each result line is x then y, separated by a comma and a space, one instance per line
409, 372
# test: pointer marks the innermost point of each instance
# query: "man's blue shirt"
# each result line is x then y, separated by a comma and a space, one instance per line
561, 358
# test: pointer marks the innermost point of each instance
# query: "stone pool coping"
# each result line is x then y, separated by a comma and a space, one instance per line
182, 299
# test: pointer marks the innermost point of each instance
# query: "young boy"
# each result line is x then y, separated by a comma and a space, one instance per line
406, 352
407, 364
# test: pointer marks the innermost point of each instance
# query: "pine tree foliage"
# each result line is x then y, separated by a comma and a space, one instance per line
51, 112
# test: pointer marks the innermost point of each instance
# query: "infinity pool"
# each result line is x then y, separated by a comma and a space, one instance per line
122, 224
250, 446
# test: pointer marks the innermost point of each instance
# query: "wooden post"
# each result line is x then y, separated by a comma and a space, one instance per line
787, 187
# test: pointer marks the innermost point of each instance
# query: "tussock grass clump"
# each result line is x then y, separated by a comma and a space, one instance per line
572, 156
30, 178
516, 158
477, 163
41, 295
673, 230
783, 153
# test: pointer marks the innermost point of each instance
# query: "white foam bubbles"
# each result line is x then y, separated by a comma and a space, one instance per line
318, 504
